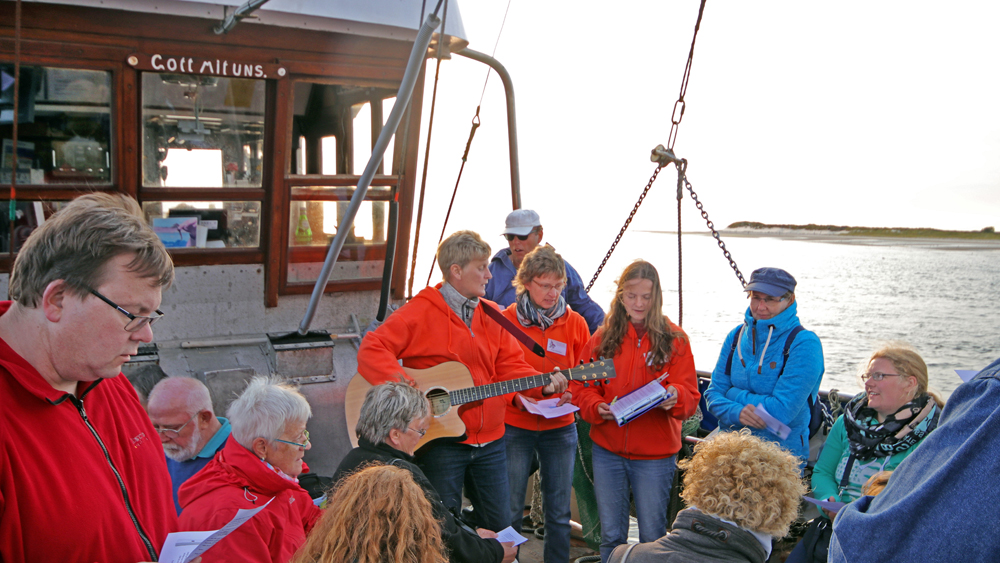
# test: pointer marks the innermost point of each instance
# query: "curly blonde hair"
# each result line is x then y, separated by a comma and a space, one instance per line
376, 515
741, 478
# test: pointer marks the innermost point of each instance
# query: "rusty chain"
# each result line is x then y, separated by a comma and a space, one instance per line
681, 169
624, 228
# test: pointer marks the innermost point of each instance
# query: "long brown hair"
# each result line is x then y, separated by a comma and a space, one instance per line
661, 334
377, 515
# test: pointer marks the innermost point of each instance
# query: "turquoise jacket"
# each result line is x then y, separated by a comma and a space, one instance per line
753, 378
829, 470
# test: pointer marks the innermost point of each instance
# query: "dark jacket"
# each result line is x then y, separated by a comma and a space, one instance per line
464, 545
695, 538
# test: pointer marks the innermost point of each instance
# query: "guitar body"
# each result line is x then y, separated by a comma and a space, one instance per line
435, 382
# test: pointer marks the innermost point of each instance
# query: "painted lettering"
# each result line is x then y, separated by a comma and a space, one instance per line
258, 71
237, 70
156, 66
208, 65
171, 64
225, 66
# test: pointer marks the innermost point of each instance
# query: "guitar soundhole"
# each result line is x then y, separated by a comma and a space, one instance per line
440, 402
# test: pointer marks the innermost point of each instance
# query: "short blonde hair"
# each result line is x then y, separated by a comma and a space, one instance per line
77, 242
460, 248
541, 261
907, 362
741, 478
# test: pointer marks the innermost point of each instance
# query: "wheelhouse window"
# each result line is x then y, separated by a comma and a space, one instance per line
334, 128
203, 159
64, 126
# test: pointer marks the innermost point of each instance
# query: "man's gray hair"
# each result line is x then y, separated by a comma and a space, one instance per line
188, 391
387, 406
265, 408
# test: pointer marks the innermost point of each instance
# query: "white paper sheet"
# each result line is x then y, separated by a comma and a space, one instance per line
548, 408
966, 374
508, 534
182, 547
832, 506
774, 426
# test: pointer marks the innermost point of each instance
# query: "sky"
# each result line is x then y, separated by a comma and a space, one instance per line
878, 114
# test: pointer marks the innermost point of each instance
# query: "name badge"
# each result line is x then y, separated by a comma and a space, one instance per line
556, 347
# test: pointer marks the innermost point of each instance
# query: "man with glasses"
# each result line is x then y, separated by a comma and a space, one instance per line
523, 233
769, 361
181, 411
82, 475
393, 418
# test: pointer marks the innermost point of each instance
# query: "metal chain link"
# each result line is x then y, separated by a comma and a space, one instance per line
624, 228
681, 168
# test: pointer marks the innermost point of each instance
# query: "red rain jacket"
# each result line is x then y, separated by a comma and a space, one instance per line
657, 433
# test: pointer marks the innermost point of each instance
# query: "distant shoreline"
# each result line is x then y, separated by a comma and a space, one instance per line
842, 237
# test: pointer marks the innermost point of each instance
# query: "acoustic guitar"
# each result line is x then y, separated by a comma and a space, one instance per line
449, 385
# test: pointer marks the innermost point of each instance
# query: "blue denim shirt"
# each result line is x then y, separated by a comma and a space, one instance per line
941, 501
500, 289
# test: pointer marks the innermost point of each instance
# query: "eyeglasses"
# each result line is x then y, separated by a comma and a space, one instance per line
173, 432
421, 432
877, 376
135, 322
768, 300
547, 287
304, 444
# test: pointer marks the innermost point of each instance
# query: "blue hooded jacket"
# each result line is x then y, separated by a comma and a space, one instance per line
501, 291
941, 499
754, 380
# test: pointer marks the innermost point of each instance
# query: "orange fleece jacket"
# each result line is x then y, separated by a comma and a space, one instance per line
569, 333
657, 433
426, 332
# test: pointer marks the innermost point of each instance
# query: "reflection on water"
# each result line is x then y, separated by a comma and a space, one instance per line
943, 302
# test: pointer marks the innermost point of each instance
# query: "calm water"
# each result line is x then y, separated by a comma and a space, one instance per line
942, 301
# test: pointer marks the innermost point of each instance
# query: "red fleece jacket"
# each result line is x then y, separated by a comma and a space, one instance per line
563, 343
236, 479
60, 499
657, 433
426, 332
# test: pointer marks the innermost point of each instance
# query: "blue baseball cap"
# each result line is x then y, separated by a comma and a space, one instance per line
771, 281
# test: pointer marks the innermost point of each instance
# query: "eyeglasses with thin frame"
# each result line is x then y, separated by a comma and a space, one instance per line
173, 432
135, 322
547, 287
877, 376
421, 432
304, 444
767, 299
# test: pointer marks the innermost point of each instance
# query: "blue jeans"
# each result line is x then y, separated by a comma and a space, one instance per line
649, 480
483, 471
556, 451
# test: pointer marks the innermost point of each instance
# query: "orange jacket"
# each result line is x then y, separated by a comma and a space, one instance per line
569, 334
426, 332
657, 433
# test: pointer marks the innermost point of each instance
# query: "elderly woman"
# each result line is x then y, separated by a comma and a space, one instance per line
542, 313
741, 492
880, 427
768, 361
392, 521
393, 418
260, 463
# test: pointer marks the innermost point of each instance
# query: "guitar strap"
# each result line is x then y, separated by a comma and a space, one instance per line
512, 328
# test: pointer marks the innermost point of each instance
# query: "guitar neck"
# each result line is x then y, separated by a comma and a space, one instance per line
481, 392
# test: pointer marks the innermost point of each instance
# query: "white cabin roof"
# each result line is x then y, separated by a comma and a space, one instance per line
389, 19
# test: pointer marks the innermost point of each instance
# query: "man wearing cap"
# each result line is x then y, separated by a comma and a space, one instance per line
523, 233
769, 361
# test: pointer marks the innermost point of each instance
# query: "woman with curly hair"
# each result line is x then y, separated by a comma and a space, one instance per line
639, 456
880, 427
741, 492
377, 515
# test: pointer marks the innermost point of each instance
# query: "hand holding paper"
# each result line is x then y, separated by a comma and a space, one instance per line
774, 426
548, 408
509, 535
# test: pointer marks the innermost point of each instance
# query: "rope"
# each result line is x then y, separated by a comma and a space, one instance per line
423, 182
12, 204
494, 54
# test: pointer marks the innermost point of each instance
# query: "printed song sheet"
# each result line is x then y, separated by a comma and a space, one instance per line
775, 426
182, 547
548, 408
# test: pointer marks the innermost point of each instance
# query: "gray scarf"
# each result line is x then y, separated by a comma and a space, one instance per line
465, 308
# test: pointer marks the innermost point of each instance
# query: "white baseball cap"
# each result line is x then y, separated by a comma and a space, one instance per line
521, 222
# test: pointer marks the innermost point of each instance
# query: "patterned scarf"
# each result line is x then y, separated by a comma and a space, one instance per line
899, 432
530, 315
